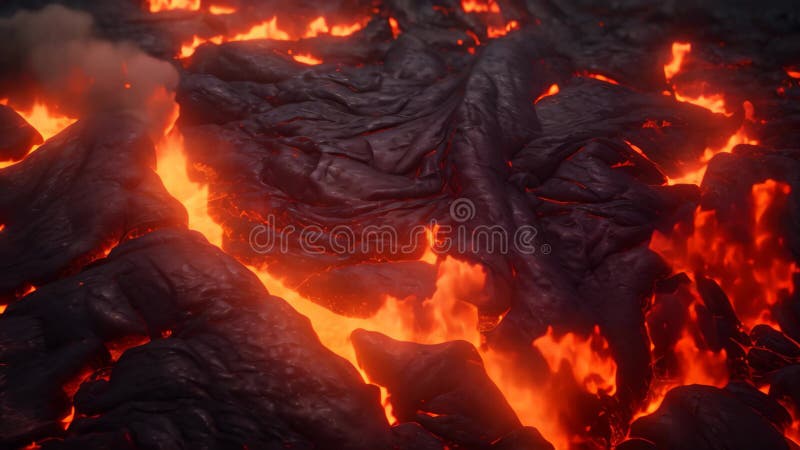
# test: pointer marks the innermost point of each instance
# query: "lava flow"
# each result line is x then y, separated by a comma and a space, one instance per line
443, 317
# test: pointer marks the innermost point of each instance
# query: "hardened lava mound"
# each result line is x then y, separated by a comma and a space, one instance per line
627, 176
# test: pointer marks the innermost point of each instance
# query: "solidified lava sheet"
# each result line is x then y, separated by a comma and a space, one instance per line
396, 224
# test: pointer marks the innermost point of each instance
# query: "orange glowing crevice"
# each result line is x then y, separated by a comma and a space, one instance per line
319, 26
601, 77
169, 5
265, 30
221, 10
307, 59
712, 102
194, 196
270, 29
45, 119
552, 90
495, 32
477, 6
67, 420
395, 26
695, 176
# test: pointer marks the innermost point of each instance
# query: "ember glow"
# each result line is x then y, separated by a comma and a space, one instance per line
173, 172
753, 273
588, 359
221, 10
552, 90
307, 59
695, 176
696, 95
46, 120
168, 5
679, 52
496, 32
271, 29
478, 6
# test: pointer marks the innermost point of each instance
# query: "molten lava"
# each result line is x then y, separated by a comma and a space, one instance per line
714, 101
552, 90
168, 5
495, 32
307, 59
270, 29
194, 196
754, 273
589, 359
679, 51
46, 120
695, 176
221, 10
476, 6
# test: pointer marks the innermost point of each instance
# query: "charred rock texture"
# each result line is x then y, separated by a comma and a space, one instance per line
359, 290
444, 387
77, 196
222, 357
704, 417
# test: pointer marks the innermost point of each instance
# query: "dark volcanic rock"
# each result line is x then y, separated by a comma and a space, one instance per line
77, 196
445, 388
221, 357
704, 417
360, 290
16, 135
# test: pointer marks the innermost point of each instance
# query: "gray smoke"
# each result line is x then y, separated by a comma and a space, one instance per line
54, 48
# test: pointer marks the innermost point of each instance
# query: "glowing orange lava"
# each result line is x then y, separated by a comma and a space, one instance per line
753, 273
305, 58
601, 77
395, 26
221, 10
495, 32
67, 420
194, 196
552, 90
265, 30
589, 359
714, 101
477, 6
270, 29
679, 51
695, 176
46, 120
167, 5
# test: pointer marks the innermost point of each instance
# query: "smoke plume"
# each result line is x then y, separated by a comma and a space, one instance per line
54, 49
